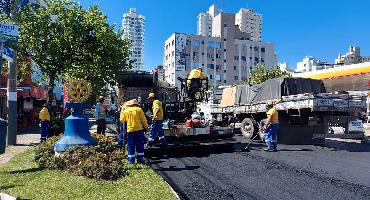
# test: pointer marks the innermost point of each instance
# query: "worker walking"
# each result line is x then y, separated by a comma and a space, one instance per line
196, 73
136, 123
44, 117
100, 114
156, 129
271, 128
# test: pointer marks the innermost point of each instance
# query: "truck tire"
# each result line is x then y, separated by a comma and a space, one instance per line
261, 133
247, 128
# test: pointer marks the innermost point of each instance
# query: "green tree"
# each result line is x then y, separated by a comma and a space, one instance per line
66, 41
261, 74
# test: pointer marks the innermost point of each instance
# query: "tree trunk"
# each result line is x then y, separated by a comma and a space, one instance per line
51, 89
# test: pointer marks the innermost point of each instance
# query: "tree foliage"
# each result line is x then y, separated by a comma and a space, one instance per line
261, 74
68, 42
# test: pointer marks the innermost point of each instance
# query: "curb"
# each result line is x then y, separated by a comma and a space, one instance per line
171, 188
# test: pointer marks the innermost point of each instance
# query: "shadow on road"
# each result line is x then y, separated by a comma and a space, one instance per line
347, 146
155, 154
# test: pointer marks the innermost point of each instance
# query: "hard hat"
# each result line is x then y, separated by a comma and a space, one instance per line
151, 95
45, 105
200, 67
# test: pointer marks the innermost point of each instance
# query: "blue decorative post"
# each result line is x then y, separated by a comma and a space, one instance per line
76, 125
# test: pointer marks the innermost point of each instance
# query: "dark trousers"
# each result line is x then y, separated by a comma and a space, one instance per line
122, 136
156, 130
135, 143
44, 129
102, 125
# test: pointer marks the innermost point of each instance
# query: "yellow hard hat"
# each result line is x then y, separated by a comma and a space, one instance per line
151, 95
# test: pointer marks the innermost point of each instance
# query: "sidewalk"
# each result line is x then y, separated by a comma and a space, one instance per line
25, 139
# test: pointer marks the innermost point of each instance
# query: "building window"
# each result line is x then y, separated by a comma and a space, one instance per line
224, 81
256, 59
263, 49
225, 60
236, 57
210, 66
173, 42
217, 55
236, 78
235, 68
224, 50
218, 77
224, 70
196, 43
255, 48
202, 42
244, 58
210, 77
262, 60
225, 39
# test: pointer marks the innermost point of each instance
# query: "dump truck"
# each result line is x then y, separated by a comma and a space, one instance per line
306, 111
177, 109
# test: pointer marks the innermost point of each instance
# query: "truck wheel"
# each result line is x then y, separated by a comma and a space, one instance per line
247, 128
261, 133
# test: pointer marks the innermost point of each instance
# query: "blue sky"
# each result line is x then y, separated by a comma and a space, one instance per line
320, 28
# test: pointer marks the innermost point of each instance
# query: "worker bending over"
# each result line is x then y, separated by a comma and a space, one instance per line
271, 128
136, 123
156, 129
44, 117
196, 73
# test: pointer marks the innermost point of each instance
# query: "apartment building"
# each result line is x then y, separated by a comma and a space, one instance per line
227, 57
133, 26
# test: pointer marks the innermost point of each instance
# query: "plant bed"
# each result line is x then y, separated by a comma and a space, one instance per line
24, 178
102, 162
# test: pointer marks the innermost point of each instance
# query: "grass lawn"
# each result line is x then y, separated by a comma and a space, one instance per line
22, 178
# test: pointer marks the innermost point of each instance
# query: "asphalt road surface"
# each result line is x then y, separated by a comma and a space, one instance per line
338, 170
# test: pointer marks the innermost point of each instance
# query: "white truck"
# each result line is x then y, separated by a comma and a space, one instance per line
306, 112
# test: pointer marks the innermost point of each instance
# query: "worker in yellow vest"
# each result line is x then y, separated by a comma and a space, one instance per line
44, 117
271, 128
135, 120
196, 73
156, 129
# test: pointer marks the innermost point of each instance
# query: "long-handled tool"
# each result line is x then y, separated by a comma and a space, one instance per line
247, 148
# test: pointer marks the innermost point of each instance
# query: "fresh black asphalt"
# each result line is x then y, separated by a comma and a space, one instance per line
338, 170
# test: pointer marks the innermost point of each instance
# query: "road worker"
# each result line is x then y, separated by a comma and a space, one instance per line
44, 117
196, 73
100, 115
271, 128
156, 129
122, 129
136, 124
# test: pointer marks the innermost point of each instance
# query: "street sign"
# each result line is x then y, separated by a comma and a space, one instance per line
8, 54
8, 32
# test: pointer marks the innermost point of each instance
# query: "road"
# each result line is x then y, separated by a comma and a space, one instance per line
338, 170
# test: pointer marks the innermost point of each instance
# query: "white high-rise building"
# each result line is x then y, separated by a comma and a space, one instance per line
133, 29
204, 27
227, 57
249, 22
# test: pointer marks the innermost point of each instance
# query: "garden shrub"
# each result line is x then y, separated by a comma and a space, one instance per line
56, 127
103, 161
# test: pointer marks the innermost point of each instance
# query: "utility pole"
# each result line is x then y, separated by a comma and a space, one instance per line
12, 87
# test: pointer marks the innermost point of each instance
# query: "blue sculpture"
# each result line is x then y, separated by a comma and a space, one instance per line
76, 129
76, 125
